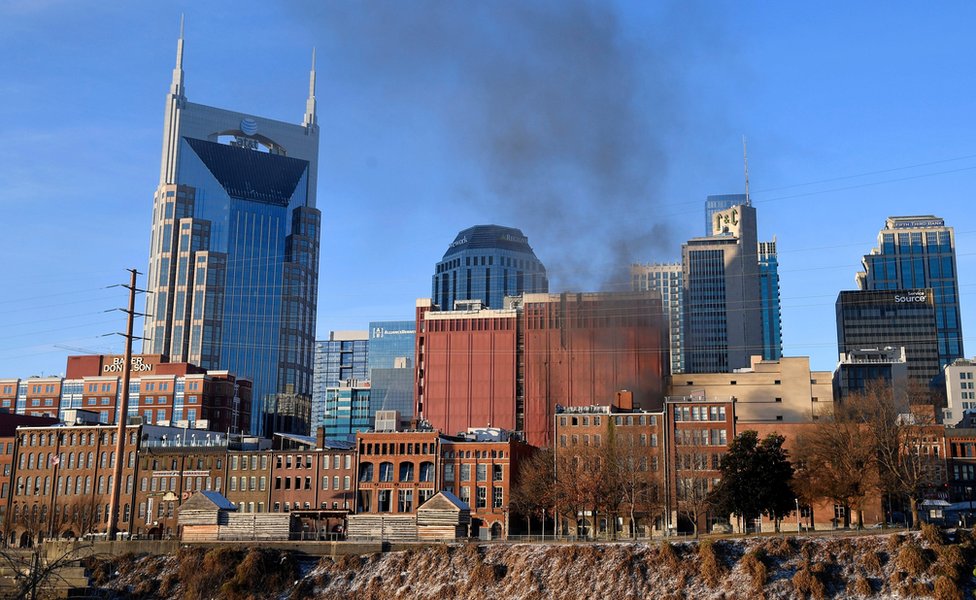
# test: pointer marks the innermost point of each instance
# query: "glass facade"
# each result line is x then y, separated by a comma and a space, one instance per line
347, 411
706, 327
343, 357
919, 252
665, 279
487, 263
233, 262
769, 296
891, 319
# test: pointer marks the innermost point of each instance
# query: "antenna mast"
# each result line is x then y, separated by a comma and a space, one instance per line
745, 161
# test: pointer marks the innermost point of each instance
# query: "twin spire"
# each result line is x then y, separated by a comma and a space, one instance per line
178, 90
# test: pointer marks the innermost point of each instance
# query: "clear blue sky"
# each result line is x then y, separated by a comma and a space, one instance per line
596, 128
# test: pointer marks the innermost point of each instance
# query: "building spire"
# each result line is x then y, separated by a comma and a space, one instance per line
745, 161
310, 118
176, 88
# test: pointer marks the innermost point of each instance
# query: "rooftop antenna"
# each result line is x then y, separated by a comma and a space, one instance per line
310, 117
745, 161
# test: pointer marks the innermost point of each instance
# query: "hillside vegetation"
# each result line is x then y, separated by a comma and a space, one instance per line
917, 565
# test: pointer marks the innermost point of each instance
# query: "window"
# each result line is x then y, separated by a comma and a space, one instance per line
383, 501
482, 472
386, 471
365, 472
497, 497
465, 472
426, 471
482, 497
406, 471
448, 473
405, 501
497, 473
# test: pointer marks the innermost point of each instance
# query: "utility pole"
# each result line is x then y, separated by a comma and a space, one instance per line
122, 415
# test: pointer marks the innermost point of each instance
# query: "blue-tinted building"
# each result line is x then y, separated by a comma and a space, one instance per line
772, 329
344, 357
920, 252
347, 410
233, 261
666, 279
487, 263
391, 352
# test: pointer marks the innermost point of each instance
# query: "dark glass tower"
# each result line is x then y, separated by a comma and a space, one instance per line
233, 261
487, 263
920, 252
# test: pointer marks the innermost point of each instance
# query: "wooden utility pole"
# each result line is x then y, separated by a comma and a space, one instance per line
122, 415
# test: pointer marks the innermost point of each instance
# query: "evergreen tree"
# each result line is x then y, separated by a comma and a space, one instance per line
756, 479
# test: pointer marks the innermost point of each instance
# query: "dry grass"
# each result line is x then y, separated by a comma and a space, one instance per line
710, 564
754, 564
779, 547
946, 589
911, 559
807, 583
667, 555
873, 561
932, 534
860, 586
894, 543
262, 571
951, 563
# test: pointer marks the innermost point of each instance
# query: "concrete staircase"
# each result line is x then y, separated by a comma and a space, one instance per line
69, 581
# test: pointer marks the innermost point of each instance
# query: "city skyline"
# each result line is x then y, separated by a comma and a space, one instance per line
868, 138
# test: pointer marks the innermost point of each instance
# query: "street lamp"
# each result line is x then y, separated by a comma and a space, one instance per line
797, 500
543, 524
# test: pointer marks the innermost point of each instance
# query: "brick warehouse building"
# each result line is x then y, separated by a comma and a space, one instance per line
509, 368
160, 392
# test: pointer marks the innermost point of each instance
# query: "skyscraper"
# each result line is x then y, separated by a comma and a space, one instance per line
920, 252
718, 203
344, 357
233, 261
666, 279
722, 306
487, 263
769, 300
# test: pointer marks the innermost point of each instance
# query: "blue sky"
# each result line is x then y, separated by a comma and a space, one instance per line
597, 128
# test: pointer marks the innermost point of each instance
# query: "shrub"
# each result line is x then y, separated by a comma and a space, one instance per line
911, 559
780, 547
668, 555
895, 542
711, 566
260, 572
951, 563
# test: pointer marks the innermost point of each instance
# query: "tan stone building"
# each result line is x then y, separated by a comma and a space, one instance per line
783, 390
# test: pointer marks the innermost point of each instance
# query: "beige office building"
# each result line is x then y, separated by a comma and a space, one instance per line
784, 390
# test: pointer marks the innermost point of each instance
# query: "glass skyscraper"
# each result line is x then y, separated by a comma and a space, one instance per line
233, 261
665, 279
487, 263
391, 352
920, 252
344, 357
769, 298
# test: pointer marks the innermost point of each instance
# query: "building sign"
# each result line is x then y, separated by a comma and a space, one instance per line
919, 224
916, 296
379, 332
196, 473
165, 473
459, 242
726, 221
118, 365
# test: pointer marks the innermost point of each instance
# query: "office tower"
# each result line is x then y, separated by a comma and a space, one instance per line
487, 263
666, 279
391, 349
347, 410
233, 261
718, 203
960, 382
891, 318
511, 367
856, 369
344, 357
919, 252
722, 303
769, 299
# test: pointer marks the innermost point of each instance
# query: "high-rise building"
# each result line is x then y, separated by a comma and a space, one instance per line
722, 304
487, 263
511, 367
960, 382
666, 279
920, 252
347, 410
857, 369
891, 318
718, 203
769, 298
343, 357
233, 261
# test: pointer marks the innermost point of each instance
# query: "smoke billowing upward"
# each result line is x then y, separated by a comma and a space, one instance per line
563, 114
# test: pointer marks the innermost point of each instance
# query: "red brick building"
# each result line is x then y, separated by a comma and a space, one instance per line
509, 368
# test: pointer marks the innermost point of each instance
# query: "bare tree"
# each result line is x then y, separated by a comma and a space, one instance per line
693, 483
636, 478
534, 489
